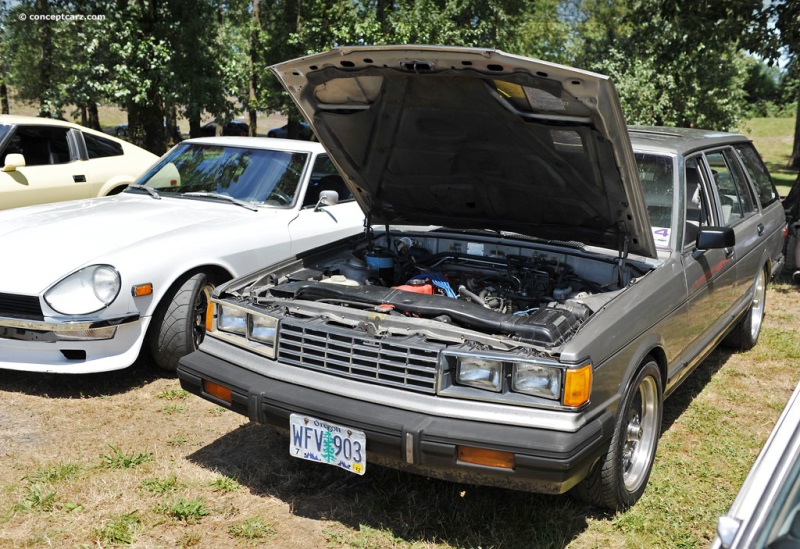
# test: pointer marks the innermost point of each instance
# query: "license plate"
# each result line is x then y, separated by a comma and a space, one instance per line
317, 440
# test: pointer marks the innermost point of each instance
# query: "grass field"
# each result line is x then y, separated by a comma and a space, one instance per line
128, 458
773, 138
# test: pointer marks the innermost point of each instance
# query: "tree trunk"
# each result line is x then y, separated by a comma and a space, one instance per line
84, 116
794, 160
194, 124
4, 98
255, 30
149, 116
94, 116
172, 130
45, 61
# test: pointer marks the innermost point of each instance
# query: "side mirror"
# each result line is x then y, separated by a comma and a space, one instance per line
715, 238
327, 198
727, 528
13, 161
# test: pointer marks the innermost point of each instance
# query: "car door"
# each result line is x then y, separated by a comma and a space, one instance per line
103, 159
315, 226
51, 172
773, 217
710, 274
739, 210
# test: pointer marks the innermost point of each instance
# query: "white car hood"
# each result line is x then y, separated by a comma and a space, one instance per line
42, 244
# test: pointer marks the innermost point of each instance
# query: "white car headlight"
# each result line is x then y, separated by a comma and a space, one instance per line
86, 291
233, 320
482, 373
537, 380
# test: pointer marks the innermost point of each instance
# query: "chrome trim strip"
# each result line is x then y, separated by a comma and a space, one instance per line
67, 326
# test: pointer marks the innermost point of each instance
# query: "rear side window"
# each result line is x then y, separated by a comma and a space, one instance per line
735, 199
758, 173
40, 145
98, 147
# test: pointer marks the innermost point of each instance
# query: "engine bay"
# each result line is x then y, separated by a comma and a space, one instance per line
535, 294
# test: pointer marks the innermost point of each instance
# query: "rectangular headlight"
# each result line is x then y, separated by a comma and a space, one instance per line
232, 320
263, 329
482, 373
536, 379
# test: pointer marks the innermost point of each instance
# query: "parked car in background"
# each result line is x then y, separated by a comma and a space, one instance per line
47, 160
89, 284
766, 512
121, 130
283, 132
535, 279
231, 128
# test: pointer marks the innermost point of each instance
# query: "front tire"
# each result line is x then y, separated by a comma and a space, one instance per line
618, 480
179, 324
745, 335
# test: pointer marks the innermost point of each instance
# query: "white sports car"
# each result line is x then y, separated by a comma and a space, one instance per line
86, 285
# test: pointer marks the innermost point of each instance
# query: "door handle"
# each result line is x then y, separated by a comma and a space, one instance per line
760, 229
79, 178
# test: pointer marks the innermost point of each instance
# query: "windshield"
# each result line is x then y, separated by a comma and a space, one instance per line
656, 173
259, 176
4, 129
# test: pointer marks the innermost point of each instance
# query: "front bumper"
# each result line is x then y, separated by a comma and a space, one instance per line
71, 347
546, 461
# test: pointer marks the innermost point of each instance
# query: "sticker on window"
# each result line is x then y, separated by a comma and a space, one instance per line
661, 236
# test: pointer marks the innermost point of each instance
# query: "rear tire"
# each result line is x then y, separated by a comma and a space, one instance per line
179, 324
745, 335
618, 480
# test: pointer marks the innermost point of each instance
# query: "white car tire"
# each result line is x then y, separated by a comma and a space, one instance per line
178, 326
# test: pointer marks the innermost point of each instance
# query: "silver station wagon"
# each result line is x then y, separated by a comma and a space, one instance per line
535, 278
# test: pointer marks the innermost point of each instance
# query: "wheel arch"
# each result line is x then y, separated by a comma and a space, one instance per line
217, 273
651, 347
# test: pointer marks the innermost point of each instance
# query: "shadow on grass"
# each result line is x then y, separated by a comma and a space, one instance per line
414, 508
71, 386
679, 401
403, 506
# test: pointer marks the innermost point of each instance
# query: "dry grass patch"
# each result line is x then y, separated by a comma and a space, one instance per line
98, 461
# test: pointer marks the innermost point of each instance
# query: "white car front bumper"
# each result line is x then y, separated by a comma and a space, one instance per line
71, 347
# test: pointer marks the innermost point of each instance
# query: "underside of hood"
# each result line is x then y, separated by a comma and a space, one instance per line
479, 139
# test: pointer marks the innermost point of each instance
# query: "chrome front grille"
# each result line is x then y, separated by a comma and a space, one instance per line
408, 364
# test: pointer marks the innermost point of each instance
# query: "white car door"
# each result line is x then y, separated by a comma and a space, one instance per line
314, 225
51, 172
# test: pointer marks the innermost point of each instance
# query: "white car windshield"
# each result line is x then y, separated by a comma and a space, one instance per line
259, 176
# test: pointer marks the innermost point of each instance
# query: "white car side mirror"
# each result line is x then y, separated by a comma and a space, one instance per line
327, 198
13, 161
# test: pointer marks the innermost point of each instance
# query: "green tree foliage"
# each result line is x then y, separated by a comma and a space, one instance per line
675, 62
784, 39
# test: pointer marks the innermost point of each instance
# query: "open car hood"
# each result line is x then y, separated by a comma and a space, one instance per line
478, 139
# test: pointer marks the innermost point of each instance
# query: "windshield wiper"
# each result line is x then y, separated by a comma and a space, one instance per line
225, 197
148, 190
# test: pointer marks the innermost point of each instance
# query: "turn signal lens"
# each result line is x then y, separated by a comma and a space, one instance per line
142, 290
216, 390
210, 317
578, 386
489, 458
